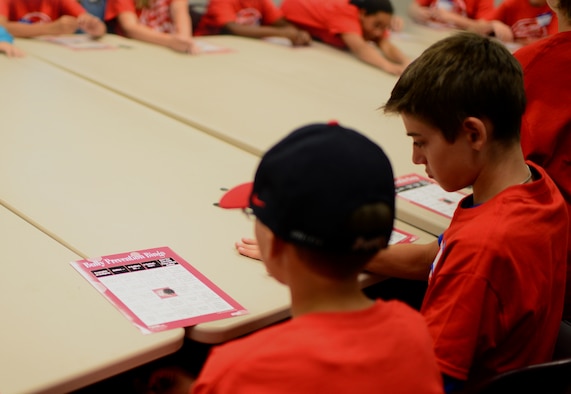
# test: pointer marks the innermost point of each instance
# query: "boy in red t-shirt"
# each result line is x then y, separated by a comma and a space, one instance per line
352, 25
496, 276
249, 18
323, 201
32, 18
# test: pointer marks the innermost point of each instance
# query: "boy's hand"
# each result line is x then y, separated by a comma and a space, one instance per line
65, 25
10, 50
440, 15
297, 37
395, 69
423, 15
249, 247
502, 31
303, 38
183, 44
482, 27
91, 25
194, 48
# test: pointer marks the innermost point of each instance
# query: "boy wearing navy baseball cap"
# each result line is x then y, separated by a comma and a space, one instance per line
323, 199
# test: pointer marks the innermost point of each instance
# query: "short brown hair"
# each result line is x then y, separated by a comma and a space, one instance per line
340, 265
460, 76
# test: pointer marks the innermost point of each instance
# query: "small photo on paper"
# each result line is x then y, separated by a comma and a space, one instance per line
165, 292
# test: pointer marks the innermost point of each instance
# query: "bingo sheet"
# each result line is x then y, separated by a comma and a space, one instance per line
401, 237
426, 193
157, 289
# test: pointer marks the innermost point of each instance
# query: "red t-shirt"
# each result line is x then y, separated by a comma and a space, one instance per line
546, 126
526, 20
32, 11
324, 20
157, 16
382, 349
496, 289
473, 9
245, 12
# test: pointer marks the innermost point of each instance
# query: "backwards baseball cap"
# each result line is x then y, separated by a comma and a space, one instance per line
323, 186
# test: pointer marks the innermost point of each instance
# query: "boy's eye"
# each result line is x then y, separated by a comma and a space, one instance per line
418, 144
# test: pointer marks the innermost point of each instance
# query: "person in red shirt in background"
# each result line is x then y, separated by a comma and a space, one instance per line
546, 124
32, 18
249, 18
353, 25
160, 22
523, 21
460, 14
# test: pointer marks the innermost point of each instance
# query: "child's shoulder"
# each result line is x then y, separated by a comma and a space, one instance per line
402, 314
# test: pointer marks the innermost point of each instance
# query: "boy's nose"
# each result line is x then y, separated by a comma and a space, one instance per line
418, 158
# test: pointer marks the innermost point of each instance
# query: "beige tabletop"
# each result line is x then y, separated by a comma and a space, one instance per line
252, 95
58, 334
103, 175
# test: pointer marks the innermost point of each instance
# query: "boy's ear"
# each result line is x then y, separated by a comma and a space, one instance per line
275, 248
276, 258
476, 131
276, 245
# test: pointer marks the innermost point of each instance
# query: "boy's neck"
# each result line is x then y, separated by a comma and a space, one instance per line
506, 170
325, 295
564, 24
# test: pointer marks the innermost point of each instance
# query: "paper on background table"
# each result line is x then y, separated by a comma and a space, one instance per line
78, 42
208, 47
401, 237
83, 41
427, 194
157, 290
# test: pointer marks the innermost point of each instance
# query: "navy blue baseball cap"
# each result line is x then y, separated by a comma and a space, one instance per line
308, 187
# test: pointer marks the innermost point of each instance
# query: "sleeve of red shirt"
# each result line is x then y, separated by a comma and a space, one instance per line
115, 7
